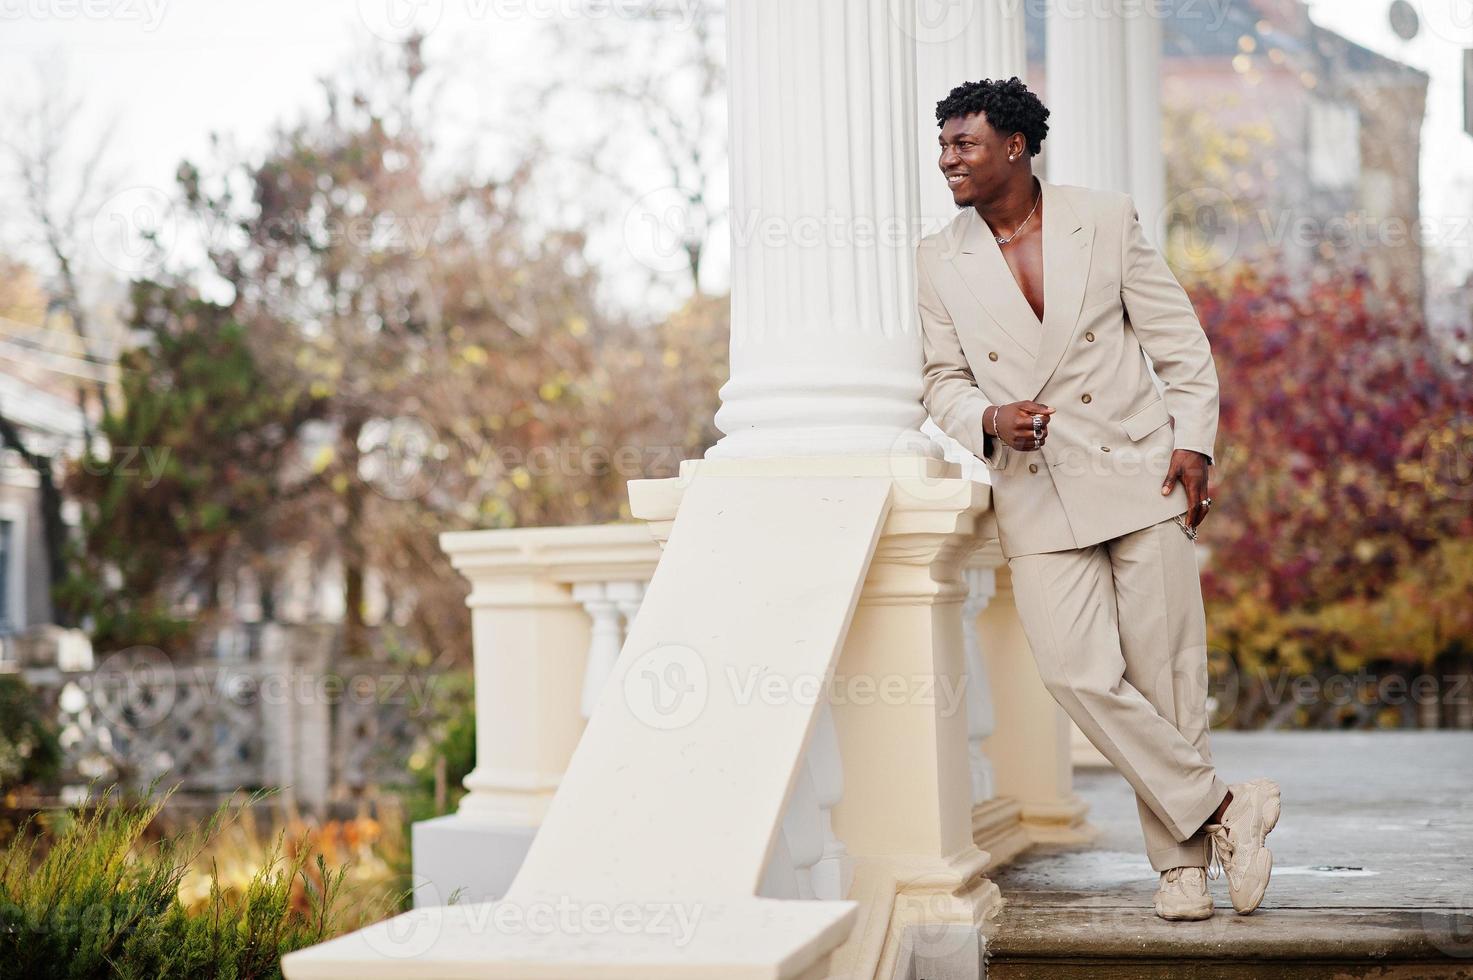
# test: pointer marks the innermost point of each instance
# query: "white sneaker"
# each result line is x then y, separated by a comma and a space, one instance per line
1238, 847
1182, 894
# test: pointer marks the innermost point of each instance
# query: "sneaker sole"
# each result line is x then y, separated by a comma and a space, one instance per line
1263, 861
1185, 916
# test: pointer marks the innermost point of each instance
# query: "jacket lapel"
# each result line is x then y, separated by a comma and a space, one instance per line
986, 273
1067, 242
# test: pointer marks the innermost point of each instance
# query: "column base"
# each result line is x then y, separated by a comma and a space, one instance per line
997, 828
462, 853
919, 913
1059, 822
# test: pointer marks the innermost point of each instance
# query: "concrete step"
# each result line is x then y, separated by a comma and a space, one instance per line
1131, 943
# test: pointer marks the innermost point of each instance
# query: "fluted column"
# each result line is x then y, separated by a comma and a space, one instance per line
1143, 119
956, 43
825, 345
1086, 67
1104, 97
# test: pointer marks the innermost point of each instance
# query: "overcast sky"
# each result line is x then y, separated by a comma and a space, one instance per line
170, 70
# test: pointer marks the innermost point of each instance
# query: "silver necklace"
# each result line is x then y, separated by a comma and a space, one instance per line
1004, 241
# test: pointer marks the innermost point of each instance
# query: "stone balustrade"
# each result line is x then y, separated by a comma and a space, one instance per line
551, 608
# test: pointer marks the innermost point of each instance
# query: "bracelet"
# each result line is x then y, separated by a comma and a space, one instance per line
995, 411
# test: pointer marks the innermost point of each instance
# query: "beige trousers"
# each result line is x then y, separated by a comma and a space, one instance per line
1120, 639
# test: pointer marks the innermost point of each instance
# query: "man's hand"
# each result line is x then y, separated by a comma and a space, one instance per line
1014, 424
1190, 467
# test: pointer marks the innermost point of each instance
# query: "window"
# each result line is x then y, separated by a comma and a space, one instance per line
7, 554
1334, 144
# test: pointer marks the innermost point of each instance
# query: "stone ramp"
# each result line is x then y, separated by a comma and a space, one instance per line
1373, 872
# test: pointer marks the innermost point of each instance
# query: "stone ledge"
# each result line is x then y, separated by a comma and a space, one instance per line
721, 939
1364, 936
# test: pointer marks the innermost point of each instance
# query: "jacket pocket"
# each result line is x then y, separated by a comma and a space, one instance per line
1147, 420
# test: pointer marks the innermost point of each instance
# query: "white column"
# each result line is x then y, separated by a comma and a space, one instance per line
956, 43
1143, 119
1086, 97
825, 344
1104, 99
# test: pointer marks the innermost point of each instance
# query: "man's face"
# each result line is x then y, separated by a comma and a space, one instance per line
974, 159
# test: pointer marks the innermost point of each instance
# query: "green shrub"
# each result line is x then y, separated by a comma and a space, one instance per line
29, 750
102, 903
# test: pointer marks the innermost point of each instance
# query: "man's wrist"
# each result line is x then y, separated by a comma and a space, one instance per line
1206, 457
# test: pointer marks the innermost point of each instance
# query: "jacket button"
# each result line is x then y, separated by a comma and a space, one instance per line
1104, 449
992, 355
1032, 467
1084, 397
1089, 335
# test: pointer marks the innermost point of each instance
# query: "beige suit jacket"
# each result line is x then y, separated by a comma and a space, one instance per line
1109, 300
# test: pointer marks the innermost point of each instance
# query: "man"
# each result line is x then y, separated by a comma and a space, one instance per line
1039, 303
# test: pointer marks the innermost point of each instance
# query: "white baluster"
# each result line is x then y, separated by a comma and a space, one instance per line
834, 872
803, 831
981, 587
604, 643
628, 596
810, 862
